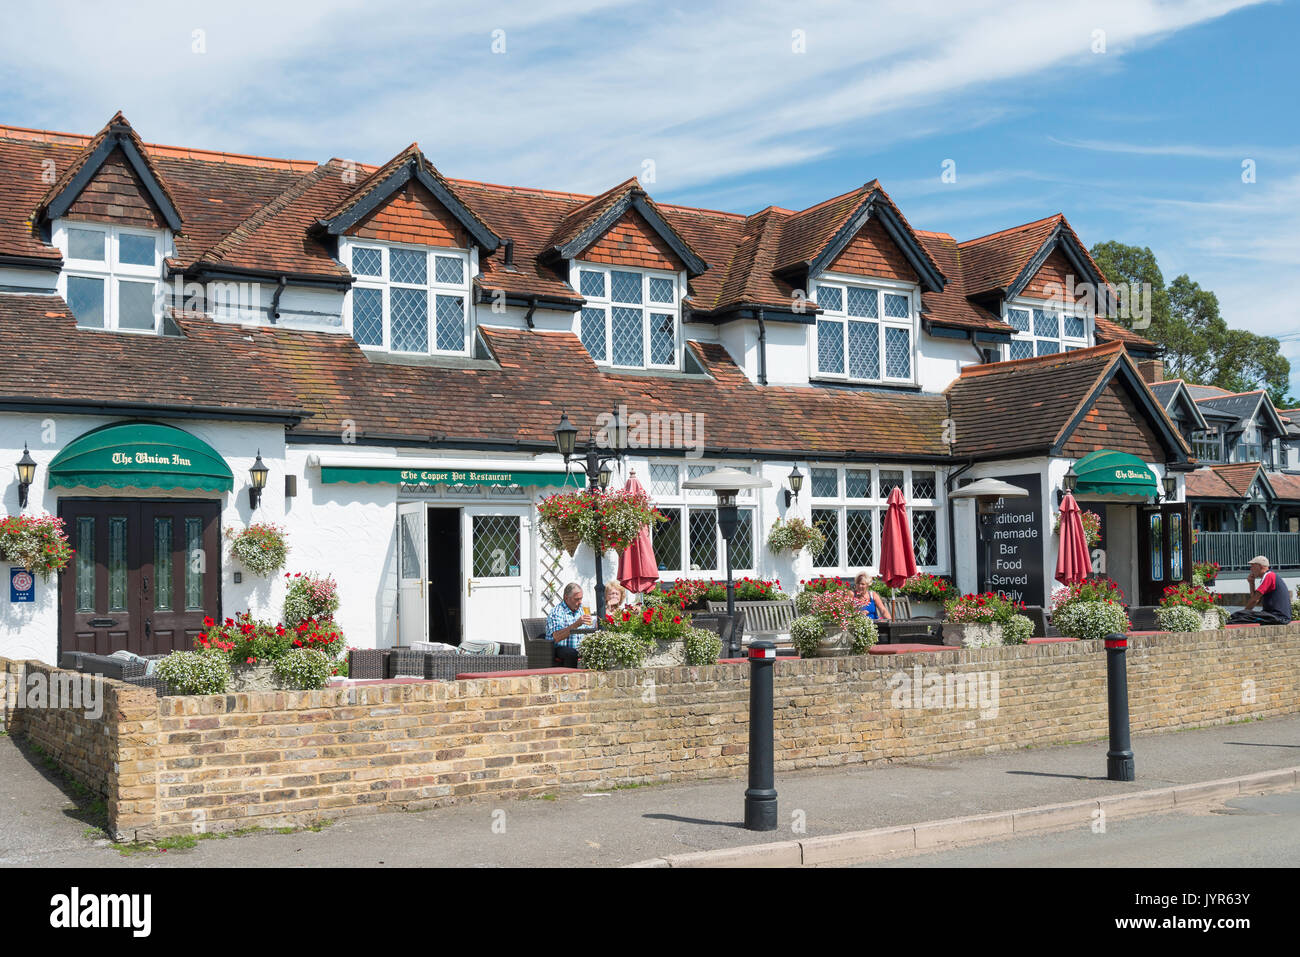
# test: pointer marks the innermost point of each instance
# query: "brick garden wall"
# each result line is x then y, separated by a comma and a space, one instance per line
224, 761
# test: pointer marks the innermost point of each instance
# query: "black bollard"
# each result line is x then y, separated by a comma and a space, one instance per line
1119, 759
760, 796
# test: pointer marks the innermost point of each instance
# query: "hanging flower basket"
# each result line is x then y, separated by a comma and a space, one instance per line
261, 548
36, 543
604, 520
570, 538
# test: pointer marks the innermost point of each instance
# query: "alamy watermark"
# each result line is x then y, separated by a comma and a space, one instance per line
56, 690
927, 689
651, 430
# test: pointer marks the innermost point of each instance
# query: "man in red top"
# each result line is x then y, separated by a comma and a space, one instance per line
1267, 590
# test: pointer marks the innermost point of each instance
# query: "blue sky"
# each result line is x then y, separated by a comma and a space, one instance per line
1143, 142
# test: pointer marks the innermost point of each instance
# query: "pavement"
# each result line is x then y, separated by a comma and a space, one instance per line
43, 823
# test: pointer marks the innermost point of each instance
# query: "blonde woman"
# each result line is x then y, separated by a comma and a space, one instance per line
614, 598
871, 602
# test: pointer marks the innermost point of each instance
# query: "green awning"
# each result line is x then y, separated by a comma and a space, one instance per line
398, 476
1107, 472
140, 455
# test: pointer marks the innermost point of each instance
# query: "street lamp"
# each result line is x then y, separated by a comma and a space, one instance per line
726, 483
795, 480
26, 475
596, 466
258, 474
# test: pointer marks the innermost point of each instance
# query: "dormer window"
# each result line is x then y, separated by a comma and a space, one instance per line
111, 275
1042, 330
409, 299
864, 333
631, 318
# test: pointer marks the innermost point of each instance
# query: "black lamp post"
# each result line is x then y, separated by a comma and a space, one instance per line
726, 483
795, 480
258, 474
596, 466
26, 475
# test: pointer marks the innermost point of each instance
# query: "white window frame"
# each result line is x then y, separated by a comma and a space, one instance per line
876, 503
111, 270
699, 500
431, 287
607, 304
881, 287
1064, 343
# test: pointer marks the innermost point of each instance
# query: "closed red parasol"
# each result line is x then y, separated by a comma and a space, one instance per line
897, 558
1073, 560
637, 569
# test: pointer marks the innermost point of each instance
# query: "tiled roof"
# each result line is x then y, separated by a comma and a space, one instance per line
211, 364
951, 307
1286, 485
994, 261
1027, 403
1223, 481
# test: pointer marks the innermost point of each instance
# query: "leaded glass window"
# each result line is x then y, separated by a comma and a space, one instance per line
863, 334
630, 318
410, 299
496, 546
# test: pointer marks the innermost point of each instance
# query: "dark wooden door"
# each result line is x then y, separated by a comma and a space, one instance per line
143, 575
1164, 550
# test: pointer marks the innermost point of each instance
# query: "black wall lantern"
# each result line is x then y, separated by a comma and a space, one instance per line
795, 480
26, 475
258, 474
1069, 482
1170, 483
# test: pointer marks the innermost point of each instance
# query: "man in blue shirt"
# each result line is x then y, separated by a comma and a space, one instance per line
561, 623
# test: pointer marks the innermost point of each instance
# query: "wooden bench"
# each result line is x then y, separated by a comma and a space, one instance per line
763, 619
904, 649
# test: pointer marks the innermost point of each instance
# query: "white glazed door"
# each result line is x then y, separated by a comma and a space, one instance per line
497, 572
412, 572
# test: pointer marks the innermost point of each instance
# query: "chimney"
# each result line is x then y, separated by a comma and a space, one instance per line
1153, 370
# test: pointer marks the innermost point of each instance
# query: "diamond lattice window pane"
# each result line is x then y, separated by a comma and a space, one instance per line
827, 521
449, 270
1074, 327
864, 303
496, 546
898, 353
1047, 347
661, 290
86, 244
704, 540
897, 307
925, 541
857, 483
592, 283
890, 480
1019, 319
663, 341
625, 286
1046, 323
742, 543
830, 346
923, 485
695, 471
592, 333
409, 319
86, 300
666, 539
368, 316
864, 350
825, 483
859, 540
1021, 349
663, 479
830, 298
626, 336
408, 266
367, 261
136, 250
450, 331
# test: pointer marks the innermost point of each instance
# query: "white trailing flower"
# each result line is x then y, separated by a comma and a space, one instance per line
1091, 620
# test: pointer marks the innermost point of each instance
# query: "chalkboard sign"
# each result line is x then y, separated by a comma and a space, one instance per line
1014, 545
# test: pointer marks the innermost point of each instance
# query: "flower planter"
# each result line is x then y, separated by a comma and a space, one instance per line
666, 654
258, 677
972, 635
1210, 620
837, 642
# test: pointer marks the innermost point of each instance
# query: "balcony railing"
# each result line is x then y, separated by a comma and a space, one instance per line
1234, 550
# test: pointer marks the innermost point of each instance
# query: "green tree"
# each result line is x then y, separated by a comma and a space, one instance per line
1199, 345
